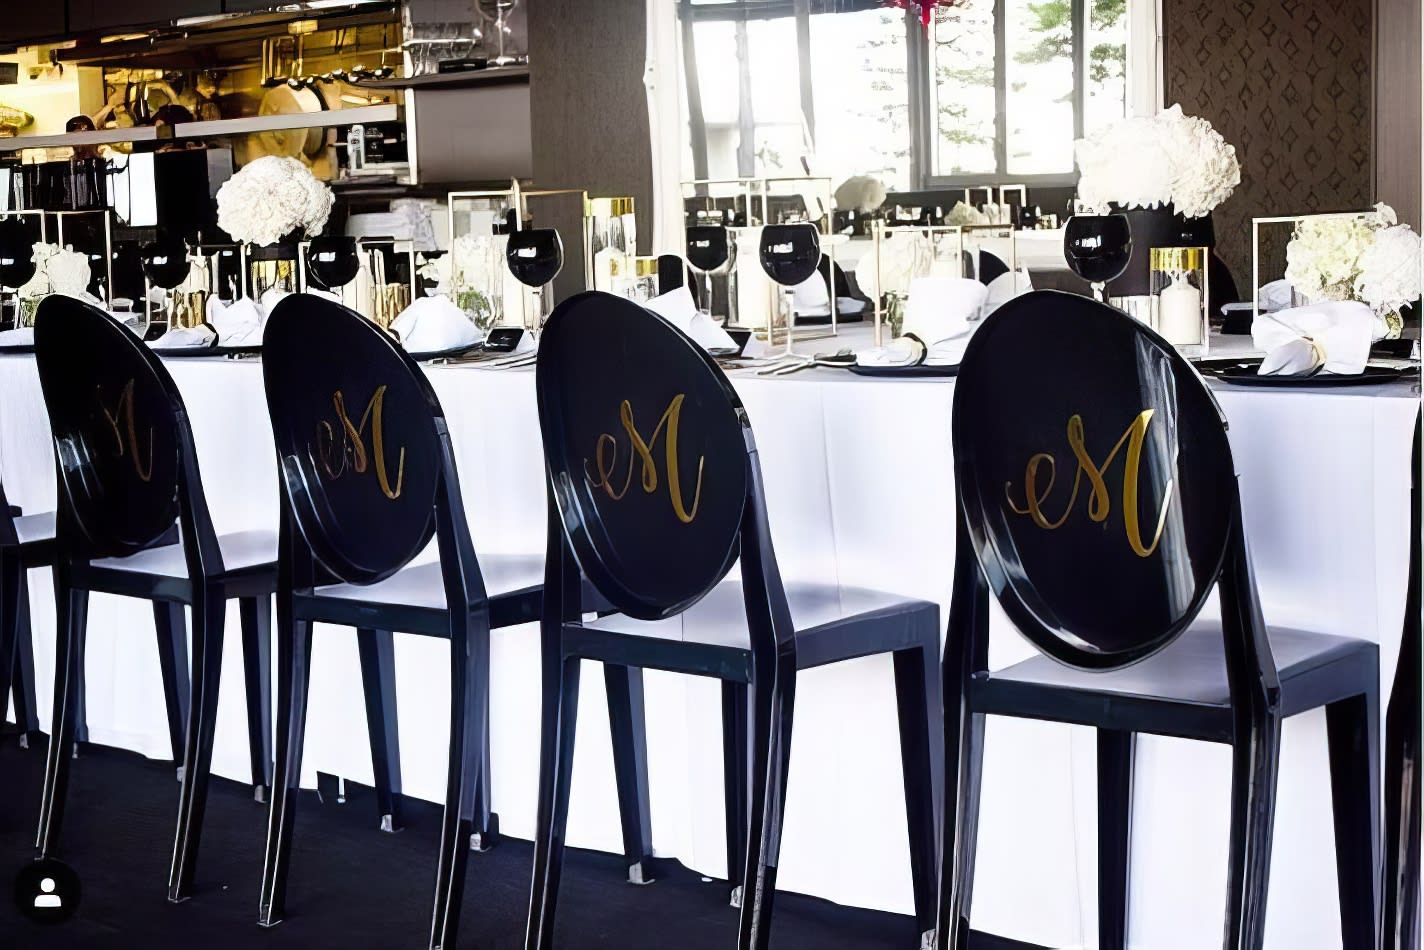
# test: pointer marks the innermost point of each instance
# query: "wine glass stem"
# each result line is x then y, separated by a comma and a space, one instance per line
1100, 291
790, 299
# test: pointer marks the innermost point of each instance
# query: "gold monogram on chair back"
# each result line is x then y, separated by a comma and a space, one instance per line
357, 442
1095, 477
114, 412
646, 447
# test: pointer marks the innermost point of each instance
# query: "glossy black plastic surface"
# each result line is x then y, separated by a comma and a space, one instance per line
165, 262
353, 420
1097, 247
332, 261
1099, 497
535, 255
707, 247
114, 412
17, 241
644, 443
789, 253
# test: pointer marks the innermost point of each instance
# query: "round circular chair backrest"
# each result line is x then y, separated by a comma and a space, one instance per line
114, 414
644, 442
1094, 476
354, 421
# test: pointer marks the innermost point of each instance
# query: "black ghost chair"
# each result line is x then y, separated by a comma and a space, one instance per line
133, 520
1401, 757
1100, 508
26, 541
656, 492
368, 479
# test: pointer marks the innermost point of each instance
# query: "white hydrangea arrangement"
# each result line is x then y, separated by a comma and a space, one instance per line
270, 198
1153, 161
1370, 258
58, 270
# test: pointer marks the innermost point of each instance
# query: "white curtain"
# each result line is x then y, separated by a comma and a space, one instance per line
665, 125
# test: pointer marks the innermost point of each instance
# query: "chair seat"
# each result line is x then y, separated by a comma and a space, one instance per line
32, 528
832, 623
422, 585
240, 550
1189, 675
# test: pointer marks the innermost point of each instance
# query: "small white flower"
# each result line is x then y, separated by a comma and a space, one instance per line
1389, 270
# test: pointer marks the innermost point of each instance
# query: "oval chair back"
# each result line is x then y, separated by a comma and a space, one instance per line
646, 445
358, 432
1095, 479
120, 431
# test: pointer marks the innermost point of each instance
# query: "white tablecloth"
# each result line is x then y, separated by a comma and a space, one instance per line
860, 488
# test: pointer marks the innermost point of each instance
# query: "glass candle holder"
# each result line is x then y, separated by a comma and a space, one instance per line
1180, 294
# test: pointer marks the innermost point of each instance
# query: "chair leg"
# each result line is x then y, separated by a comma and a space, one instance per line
171, 627
485, 829
293, 677
1116, 751
256, 615
736, 723
72, 606
561, 716
378, 683
468, 722
209, 616
1255, 768
917, 762
1402, 831
1352, 727
963, 771
26, 714
764, 846
628, 724
11, 670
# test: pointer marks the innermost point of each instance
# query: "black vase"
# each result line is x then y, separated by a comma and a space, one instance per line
1157, 227
284, 249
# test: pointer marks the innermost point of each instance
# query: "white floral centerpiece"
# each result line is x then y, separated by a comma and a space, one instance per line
270, 198
1154, 161
58, 270
1372, 259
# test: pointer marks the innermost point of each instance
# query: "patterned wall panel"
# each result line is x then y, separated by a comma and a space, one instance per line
1288, 83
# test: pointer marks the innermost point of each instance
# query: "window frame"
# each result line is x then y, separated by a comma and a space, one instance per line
1144, 17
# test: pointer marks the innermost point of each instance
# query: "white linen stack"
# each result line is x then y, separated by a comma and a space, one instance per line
1327, 337
677, 307
431, 324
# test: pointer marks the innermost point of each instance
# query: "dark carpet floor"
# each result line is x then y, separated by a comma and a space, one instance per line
352, 887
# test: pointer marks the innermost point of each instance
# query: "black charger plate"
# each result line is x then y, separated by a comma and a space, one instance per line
1248, 376
922, 371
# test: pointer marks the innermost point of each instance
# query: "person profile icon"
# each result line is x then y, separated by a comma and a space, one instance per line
47, 899
47, 891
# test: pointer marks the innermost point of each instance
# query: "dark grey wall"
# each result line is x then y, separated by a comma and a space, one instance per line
589, 110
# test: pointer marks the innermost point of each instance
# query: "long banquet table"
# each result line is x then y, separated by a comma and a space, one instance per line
860, 489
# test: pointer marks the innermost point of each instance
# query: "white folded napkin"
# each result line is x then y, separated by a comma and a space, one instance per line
677, 307
1332, 336
186, 337
20, 336
239, 323
434, 323
1275, 295
810, 297
1004, 288
849, 306
903, 351
940, 312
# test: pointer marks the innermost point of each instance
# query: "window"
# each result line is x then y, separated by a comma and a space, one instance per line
993, 91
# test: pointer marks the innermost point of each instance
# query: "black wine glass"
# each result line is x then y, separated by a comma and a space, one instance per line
165, 262
790, 254
709, 251
17, 253
1098, 248
332, 261
535, 256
